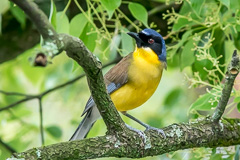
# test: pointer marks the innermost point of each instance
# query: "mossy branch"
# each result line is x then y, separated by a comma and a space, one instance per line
179, 136
120, 141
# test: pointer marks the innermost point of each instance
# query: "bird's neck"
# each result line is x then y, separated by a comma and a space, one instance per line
145, 64
147, 54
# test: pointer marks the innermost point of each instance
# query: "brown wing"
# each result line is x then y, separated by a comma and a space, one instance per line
114, 79
118, 74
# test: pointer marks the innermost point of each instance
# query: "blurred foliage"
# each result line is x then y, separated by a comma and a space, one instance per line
200, 38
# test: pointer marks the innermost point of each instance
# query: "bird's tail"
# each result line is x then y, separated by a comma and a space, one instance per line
86, 124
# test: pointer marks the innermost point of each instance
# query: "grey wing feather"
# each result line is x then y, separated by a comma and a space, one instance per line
90, 103
86, 124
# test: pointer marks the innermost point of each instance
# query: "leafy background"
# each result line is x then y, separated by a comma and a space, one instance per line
200, 38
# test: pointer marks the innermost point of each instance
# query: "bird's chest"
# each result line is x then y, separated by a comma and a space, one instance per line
144, 74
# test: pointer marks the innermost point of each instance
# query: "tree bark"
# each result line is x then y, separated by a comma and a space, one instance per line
121, 141
130, 144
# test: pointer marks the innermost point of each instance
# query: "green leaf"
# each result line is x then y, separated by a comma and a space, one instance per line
89, 36
173, 97
203, 103
62, 23
139, 12
102, 49
175, 58
185, 36
180, 23
198, 66
234, 5
4, 6
55, 131
192, 11
237, 148
196, 6
226, 3
216, 156
187, 56
162, 1
238, 107
185, 9
238, 28
182, 41
0, 24
236, 100
218, 45
75, 28
110, 6
127, 42
18, 14
208, 7
236, 40
228, 48
4, 152
53, 14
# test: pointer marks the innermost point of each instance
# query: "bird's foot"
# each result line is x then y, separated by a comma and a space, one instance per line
140, 133
160, 131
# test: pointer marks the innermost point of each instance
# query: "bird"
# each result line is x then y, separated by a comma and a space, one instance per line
132, 81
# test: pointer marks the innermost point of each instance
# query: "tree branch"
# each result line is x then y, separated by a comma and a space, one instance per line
120, 141
41, 95
76, 49
13, 93
233, 70
179, 136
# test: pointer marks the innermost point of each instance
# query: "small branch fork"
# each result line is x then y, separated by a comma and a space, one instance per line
38, 96
28, 97
233, 70
121, 141
76, 49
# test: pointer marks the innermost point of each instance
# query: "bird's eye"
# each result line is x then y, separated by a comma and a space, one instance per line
150, 41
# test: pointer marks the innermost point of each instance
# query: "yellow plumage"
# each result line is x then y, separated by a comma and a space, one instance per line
144, 75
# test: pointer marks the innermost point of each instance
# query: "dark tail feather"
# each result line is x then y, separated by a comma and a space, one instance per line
86, 124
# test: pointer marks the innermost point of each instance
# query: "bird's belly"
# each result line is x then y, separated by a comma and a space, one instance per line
134, 93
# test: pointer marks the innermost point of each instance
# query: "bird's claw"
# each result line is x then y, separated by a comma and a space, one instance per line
140, 133
160, 131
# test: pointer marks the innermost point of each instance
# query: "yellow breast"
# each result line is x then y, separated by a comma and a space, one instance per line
144, 75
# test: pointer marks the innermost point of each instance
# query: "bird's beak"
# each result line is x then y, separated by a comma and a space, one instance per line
136, 37
133, 34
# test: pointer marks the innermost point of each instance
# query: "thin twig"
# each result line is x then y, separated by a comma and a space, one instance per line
41, 120
30, 97
13, 93
18, 102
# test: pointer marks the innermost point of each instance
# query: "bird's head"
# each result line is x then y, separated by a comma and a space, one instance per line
148, 38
